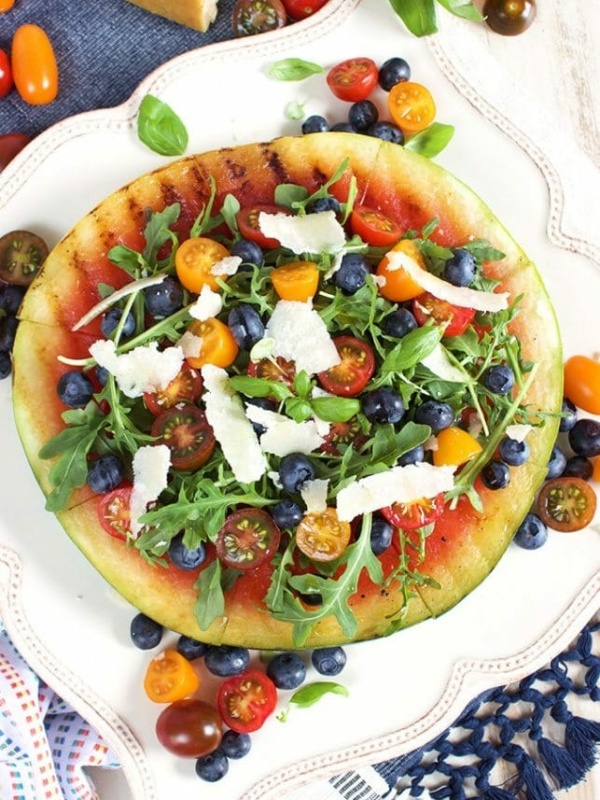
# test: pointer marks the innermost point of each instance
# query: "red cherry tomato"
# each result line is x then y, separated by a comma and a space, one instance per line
250, 17
354, 79
278, 370
189, 728
566, 504
355, 370
409, 516
10, 145
343, 433
248, 538
113, 512
373, 227
6, 76
247, 220
454, 319
245, 701
35, 71
300, 9
187, 434
186, 387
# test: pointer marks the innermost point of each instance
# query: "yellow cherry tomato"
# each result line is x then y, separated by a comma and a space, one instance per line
6, 5
322, 536
218, 346
582, 383
34, 67
399, 286
298, 280
596, 472
194, 261
170, 677
411, 106
454, 447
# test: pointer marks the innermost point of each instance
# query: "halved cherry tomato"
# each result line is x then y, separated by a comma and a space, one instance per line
273, 370
410, 516
113, 512
411, 106
399, 286
189, 728
355, 370
10, 145
298, 280
6, 76
245, 701
257, 16
582, 383
186, 387
566, 504
170, 677
247, 220
454, 319
374, 227
248, 538
34, 67
301, 9
186, 432
323, 536
354, 79
194, 261
343, 433
218, 346
22, 254
455, 446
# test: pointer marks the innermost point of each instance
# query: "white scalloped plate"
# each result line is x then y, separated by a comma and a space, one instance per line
405, 689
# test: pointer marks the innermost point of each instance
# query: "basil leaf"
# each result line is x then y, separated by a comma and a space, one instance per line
294, 110
431, 141
259, 387
293, 69
462, 8
417, 15
288, 194
335, 409
310, 694
160, 129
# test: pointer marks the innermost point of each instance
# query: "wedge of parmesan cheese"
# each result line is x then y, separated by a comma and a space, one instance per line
197, 14
300, 335
310, 233
143, 369
150, 471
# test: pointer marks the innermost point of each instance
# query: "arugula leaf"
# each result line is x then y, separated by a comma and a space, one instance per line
293, 69
158, 231
210, 603
431, 141
310, 694
160, 129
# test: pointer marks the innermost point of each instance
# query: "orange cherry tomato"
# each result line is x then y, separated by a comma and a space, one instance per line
298, 280
411, 106
582, 383
6, 5
170, 677
454, 447
322, 536
218, 346
194, 261
399, 286
35, 71
596, 472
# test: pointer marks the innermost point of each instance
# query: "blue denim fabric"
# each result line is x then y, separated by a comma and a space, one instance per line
104, 48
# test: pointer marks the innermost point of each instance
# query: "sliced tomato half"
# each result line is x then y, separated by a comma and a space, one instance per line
245, 701
273, 370
355, 370
247, 220
248, 538
186, 432
113, 512
186, 387
566, 504
354, 79
323, 536
454, 319
410, 516
343, 433
374, 227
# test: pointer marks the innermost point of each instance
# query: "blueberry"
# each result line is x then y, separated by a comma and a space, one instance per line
495, 475
343, 127
362, 114
381, 535
323, 204
513, 452
105, 473
329, 660
578, 467
245, 325
250, 252
569, 415
164, 298
101, 374
393, 71
556, 463
352, 274
183, 558
315, 124
532, 533
499, 379
383, 405
226, 660
145, 632
213, 766
584, 438
191, 648
5, 365
111, 319
286, 670
75, 389
460, 269
8, 331
413, 456
399, 323
311, 598
294, 470
386, 131
435, 414
11, 296
286, 513
235, 745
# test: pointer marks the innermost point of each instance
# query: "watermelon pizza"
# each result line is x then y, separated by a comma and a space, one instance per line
265, 388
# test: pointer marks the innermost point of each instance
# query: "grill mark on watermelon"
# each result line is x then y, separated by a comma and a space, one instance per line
276, 166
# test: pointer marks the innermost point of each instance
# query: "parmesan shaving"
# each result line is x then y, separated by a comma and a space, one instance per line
150, 471
143, 369
310, 233
209, 304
